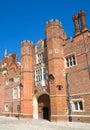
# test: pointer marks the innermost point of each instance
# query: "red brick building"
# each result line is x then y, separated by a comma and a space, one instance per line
52, 81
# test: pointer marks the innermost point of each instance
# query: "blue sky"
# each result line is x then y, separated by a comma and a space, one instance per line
26, 20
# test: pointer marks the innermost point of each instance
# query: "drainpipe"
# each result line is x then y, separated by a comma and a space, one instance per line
84, 28
68, 97
86, 50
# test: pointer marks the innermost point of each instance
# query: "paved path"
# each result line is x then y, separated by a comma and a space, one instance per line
11, 123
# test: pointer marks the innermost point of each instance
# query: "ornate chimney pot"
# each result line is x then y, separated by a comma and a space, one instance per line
83, 20
76, 24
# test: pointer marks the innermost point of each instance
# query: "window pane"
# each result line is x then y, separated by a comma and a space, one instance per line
6, 107
81, 105
74, 62
44, 70
44, 76
44, 73
70, 63
76, 105
15, 94
73, 57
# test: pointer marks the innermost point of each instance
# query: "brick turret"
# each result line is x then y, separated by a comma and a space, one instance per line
27, 79
54, 29
55, 37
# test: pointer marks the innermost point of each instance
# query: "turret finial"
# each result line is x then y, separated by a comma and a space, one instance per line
5, 53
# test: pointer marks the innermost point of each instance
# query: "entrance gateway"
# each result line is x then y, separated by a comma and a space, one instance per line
41, 106
46, 113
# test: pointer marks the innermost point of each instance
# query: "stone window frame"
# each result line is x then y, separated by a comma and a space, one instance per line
57, 50
7, 82
40, 57
68, 56
16, 92
6, 107
19, 91
39, 74
17, 79
73, 105
39, 46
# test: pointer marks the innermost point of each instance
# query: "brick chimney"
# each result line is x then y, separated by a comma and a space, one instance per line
83, 20
76, 24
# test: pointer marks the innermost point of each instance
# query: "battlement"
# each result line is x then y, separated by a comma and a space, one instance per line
54, 29
26, 43
54, 22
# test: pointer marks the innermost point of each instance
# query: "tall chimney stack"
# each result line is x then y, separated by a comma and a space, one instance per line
76, 24
83, 20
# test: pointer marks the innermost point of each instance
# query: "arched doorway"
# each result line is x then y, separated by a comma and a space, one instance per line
44, 107
45, 113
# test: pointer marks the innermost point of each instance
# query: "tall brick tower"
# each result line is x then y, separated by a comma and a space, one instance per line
55, 37
27, 79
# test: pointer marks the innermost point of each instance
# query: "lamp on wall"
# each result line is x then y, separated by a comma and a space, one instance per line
21, 85
51, 76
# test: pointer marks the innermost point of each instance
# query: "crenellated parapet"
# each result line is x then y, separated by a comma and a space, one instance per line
54, 29
26, 43
26, 47
53, 22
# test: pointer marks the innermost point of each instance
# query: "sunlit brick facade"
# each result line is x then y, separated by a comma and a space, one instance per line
52, 80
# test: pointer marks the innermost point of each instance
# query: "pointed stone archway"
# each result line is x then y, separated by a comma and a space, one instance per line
44, 107
41, 106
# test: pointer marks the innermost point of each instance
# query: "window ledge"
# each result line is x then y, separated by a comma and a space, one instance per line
77, 111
